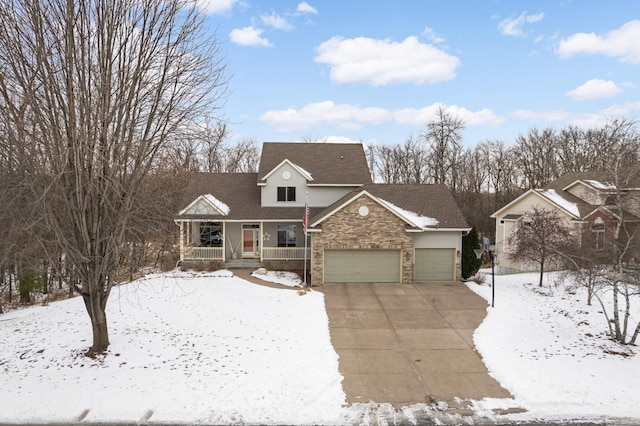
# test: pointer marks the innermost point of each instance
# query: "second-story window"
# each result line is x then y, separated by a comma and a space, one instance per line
286, 193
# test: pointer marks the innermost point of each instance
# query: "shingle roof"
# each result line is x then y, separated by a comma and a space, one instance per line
434, 201
568, 178
328, 163
240, 192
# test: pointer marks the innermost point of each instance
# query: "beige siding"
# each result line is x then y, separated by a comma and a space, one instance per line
504, 228
586, 193
438, 239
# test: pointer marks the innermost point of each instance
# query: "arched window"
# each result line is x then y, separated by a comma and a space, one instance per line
597, 234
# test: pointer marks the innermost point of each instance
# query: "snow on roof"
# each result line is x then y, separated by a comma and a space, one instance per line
552, 195
600, 185
222, 207
418, 220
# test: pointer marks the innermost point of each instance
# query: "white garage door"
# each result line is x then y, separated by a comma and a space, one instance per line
361, 266
434, 264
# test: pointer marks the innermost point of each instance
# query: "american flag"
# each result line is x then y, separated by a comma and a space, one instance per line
305, 218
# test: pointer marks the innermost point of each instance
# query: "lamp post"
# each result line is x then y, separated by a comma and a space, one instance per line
489, 249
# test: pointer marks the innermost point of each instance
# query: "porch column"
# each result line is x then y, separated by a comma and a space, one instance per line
224, 237
181, 224
261, 238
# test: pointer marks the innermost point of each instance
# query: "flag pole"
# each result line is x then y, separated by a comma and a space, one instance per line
305, 218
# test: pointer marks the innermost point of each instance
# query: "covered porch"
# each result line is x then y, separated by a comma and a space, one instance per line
226, 241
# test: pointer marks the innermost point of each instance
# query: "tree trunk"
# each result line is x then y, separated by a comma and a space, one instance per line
616, 314
541, 271
635, 334
96, 310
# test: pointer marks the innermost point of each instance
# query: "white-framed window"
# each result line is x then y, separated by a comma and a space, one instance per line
286, 193
286, 235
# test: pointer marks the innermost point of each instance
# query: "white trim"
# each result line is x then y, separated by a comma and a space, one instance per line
496, 214
538, 193
358, 185
206, 199
439, 230
305, 174
587, 184
355, 197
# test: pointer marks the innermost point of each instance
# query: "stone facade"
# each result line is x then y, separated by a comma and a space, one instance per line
348, 229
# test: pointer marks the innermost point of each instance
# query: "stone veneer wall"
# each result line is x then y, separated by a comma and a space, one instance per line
347, 229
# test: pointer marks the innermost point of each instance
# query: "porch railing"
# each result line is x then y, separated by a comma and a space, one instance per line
202, 253
284, 253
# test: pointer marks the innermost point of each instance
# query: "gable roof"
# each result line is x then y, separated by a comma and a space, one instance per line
557, 193
412, 203
239, 192
206, 204
327, 163
305, 174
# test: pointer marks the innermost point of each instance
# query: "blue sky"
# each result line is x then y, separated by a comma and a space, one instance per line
376, 71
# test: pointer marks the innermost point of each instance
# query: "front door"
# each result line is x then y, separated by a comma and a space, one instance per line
250, 241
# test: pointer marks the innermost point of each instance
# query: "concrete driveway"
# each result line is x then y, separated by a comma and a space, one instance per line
407, 344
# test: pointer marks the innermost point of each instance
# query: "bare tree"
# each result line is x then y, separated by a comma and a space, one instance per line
93, 90
539, 236
443, 138
536, 157
243, 157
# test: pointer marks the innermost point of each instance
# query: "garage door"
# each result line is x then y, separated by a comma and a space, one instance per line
361, 266
434, 264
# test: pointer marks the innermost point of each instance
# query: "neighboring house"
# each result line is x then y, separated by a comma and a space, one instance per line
586, 200
358, 231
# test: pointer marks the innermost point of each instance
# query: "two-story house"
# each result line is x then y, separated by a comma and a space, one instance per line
589, 202
357, 231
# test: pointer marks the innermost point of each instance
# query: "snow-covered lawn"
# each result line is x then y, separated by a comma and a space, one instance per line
205, 347
213, 348
549, 349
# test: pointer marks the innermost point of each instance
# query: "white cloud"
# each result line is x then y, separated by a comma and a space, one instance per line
513, 26
339, 139
325, 113
555, 115
215, 6
421, 116
621, 110
594, 89
305, 7
382, 62
249, 36
621, 43
353, 117
431, 35
276, 21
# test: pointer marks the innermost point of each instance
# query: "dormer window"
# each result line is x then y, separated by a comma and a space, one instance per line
286, 193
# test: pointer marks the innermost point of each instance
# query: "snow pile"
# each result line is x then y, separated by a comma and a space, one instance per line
290, 279
184, 347
549, 349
